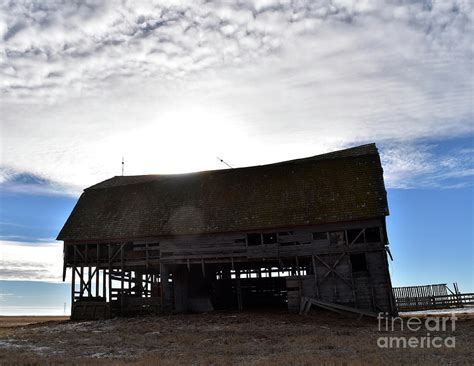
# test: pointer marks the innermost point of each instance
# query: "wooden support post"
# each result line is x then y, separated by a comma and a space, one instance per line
239, 294
393, 306
316, 287
64, 263
165, 286
140, 289
354, 293
372, 294
104, 285
97, 272
161, 285
97, 281
303, 302
89, 282
73, 288
333, 279
81, 287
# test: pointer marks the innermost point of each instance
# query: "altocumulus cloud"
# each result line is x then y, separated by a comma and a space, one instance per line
86, 82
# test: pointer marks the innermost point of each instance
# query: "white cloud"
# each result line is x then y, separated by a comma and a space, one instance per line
171, 85
31, 261
421, 166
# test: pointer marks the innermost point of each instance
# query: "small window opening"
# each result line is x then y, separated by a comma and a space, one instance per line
269, 238
337, 237
254, 239
354, 237
358, 262
372, 235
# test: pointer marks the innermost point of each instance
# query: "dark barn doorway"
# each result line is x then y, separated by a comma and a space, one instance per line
252, 285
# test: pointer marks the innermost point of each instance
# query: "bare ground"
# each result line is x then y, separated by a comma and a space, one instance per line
221, 338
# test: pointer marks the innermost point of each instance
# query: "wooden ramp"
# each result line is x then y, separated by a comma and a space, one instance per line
307, 302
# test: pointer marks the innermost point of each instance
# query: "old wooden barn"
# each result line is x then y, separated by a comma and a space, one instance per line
262, 236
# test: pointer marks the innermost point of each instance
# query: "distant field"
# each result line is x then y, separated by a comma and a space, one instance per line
220, 338
13, 321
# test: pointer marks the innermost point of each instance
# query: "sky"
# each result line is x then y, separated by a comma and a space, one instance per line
169, 86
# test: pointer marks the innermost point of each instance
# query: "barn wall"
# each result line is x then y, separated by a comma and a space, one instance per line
290, 242
322, 257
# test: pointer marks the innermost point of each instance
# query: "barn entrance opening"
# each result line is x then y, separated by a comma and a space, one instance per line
239, 286
249, 286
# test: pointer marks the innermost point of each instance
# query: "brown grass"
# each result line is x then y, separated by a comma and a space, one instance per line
8, 324
223, 338
15, 321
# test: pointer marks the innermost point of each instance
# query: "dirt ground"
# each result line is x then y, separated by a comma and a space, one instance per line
222, 338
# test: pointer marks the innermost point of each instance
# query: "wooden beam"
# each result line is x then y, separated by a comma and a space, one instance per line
89, 282
119, 250
97, 282
104, 285
338, 308
76, 251
82, 282
239, 293
73, 288
357, 237
316, 287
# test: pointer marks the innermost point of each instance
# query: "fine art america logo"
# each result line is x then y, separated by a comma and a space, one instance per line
426, 333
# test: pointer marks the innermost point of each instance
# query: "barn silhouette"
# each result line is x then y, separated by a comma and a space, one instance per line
291, 234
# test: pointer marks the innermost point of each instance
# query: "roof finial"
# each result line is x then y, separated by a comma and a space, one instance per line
222, 161
123, 165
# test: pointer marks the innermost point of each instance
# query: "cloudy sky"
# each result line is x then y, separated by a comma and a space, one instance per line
171, 85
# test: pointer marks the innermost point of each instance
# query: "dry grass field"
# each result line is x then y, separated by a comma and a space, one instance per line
15, 321
220, 338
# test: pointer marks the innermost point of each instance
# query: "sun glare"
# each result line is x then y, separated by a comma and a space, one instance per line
183, 140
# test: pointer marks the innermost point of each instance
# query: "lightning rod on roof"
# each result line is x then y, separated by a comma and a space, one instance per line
123, 165
222, 161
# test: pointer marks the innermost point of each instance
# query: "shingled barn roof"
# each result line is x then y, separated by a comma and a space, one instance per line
340, 186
